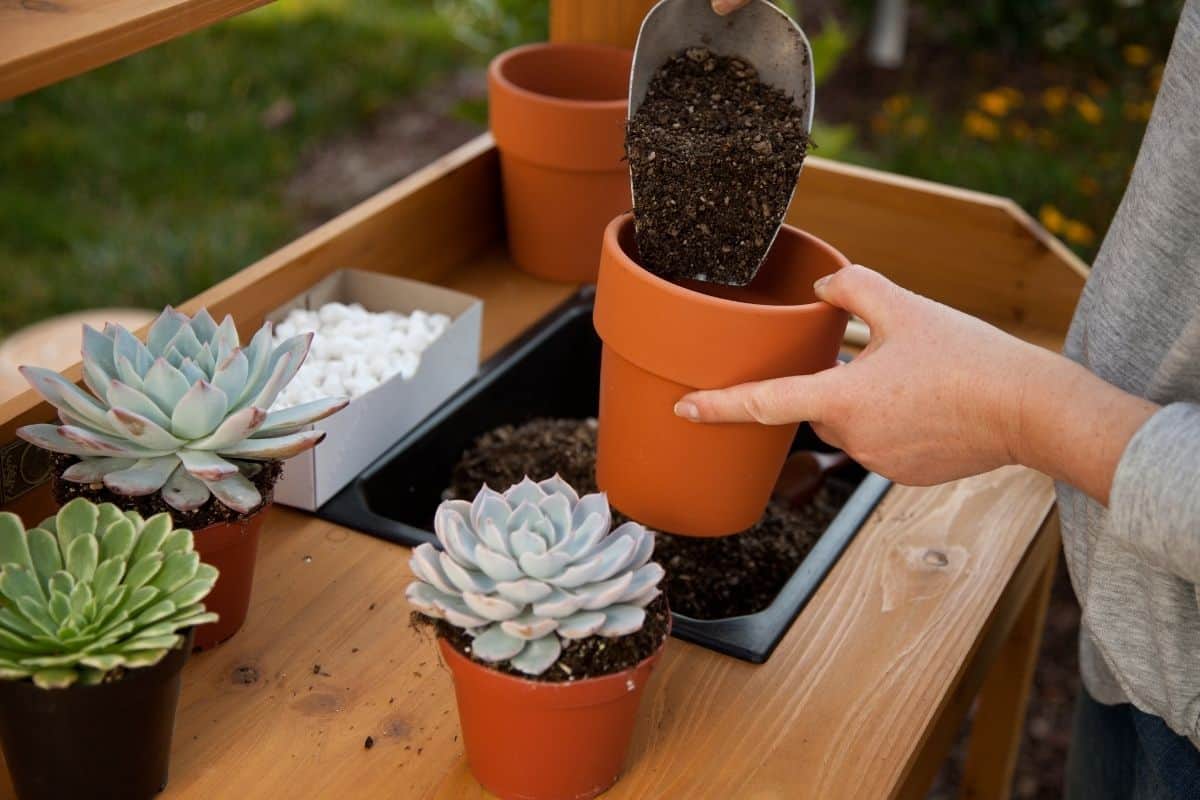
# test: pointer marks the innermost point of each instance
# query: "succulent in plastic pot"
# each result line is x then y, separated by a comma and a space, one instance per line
91, 590
96, 612
184, 414
524, 572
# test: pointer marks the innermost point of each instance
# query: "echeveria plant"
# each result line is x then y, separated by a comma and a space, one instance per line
93, 589
522, 570
185, 413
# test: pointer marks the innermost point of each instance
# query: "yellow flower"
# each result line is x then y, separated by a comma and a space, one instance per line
1138, 112
1088, 187
1088, 109
1136, 55
1021, 130
897, 104
1078, 233
1051, 218
980, 127
1054, 99
999, 102
915, 126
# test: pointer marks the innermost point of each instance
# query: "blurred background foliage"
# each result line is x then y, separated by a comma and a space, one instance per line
148, 180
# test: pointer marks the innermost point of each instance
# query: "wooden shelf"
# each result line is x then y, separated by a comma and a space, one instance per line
45, 41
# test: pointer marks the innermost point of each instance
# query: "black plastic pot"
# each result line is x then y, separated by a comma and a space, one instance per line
111, 741
554, 371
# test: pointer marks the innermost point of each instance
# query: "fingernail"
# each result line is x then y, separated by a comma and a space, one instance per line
687, 410
722, 7
819, 284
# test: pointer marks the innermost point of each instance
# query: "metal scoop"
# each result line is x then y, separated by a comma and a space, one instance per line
759, 33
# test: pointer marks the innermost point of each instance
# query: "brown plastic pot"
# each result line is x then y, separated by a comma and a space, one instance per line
663, 340
557, 112
111, 741
532, 740
231, 547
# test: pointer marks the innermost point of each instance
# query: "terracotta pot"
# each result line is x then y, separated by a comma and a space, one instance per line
531, 740
557, 112
663, 340
231, 547
111, 741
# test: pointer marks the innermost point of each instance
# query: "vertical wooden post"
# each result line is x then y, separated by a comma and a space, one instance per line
613, 22
1004, 697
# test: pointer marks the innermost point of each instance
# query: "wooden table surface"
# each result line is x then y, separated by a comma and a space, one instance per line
842, 709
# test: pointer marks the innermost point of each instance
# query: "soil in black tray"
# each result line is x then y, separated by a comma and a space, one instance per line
714, 154
590, 657
212, 512
706, 578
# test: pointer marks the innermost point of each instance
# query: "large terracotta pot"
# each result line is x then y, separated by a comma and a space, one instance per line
557, 112
110, 741
663, 340
532, 740
231, 547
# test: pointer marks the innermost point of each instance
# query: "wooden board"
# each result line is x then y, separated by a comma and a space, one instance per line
46, 41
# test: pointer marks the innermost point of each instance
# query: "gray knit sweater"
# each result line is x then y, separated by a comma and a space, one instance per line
1136, 565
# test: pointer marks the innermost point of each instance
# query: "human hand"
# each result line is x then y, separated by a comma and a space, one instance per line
723, 7
936, 395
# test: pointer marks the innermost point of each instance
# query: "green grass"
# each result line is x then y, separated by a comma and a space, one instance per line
151, 179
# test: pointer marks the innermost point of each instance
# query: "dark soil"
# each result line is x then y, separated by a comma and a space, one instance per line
706, 578
714, 154
210, 513
581, 658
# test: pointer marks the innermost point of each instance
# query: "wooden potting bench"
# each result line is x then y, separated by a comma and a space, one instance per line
939, 601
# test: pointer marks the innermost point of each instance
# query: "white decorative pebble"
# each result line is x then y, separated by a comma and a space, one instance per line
354, 350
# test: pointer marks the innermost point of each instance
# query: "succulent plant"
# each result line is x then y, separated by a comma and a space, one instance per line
93, 589
185, 413
522, 570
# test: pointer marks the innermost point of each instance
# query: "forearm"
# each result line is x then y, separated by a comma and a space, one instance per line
1071, 424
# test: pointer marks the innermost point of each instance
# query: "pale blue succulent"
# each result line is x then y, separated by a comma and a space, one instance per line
184, 414
524, 570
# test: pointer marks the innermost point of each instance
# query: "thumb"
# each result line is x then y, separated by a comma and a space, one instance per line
798, 398
727, 6
860, 291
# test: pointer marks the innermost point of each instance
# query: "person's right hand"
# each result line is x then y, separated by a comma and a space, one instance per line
727, 6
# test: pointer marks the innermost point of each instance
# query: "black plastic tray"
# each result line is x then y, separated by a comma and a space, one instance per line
554, 371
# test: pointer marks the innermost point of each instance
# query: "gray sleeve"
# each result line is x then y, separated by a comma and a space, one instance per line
1155, 497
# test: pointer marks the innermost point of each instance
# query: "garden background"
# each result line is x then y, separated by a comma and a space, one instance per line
148, 180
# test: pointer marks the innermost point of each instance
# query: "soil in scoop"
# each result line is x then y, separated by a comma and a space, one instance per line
714, 154
706, 578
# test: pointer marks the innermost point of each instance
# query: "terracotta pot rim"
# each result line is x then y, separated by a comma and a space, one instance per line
242, 520
612, 243
496, 73
528, 685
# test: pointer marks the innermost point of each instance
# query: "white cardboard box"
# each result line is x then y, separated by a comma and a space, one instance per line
365, 429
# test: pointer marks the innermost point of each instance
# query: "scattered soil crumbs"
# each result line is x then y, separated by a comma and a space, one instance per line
714, 154
210, 513
581, 658
706, 578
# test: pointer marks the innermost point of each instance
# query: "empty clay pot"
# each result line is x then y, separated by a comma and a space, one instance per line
663, 340
535, 740
557, 112
111, 741
231, 547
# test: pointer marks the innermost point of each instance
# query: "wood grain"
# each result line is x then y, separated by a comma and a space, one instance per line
46, 41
